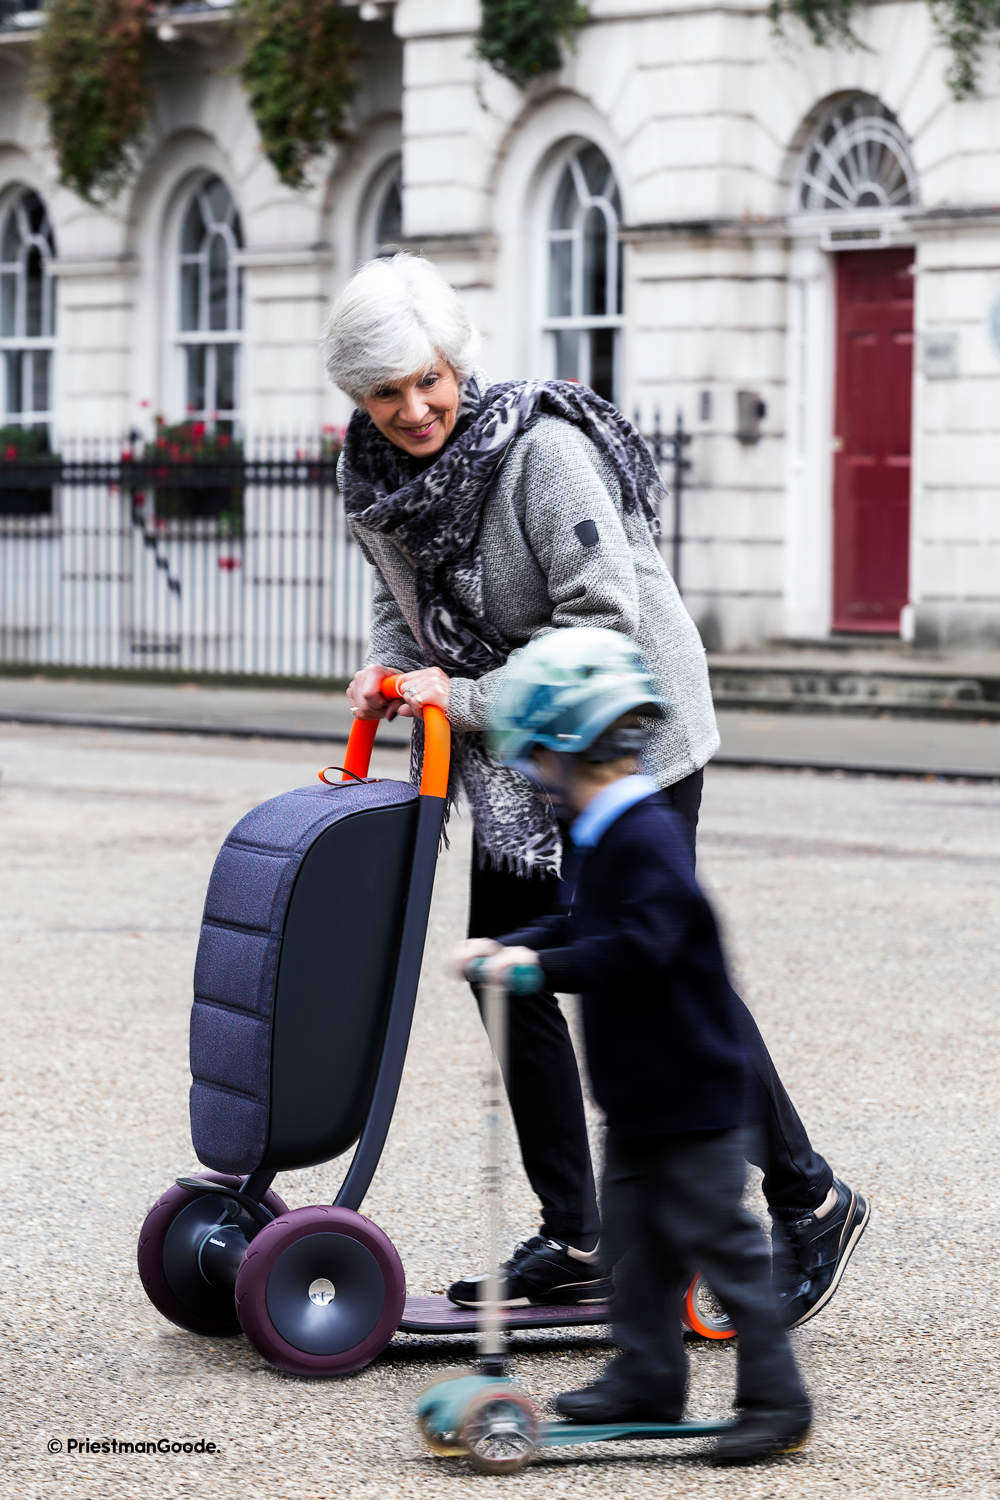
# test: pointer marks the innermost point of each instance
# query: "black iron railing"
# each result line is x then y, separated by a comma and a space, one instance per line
116, 555
669, 450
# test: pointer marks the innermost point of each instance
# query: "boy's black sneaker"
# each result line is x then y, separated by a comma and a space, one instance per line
809, 1266
607, 1401
540, 1271
760, 1434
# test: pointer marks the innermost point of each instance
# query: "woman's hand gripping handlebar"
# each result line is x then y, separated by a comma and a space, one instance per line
437, 743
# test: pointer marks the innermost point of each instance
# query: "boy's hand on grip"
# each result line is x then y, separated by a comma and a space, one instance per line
467, 952
510, 958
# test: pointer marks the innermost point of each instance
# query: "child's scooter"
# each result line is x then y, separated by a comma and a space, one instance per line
485, 1416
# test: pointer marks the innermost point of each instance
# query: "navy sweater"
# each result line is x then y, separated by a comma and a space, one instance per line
638, 941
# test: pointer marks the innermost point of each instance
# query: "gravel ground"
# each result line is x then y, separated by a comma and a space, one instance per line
862, 918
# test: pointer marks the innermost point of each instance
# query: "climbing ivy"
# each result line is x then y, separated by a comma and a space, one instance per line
298, 73
965, 25
521, 38
89, 76
828, 22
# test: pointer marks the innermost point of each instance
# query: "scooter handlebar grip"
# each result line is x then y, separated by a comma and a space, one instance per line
437, 744
521, 979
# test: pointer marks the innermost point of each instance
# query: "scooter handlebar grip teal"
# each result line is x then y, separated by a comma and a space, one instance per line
521, 979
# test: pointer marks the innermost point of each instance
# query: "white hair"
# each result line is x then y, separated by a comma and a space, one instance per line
395, 318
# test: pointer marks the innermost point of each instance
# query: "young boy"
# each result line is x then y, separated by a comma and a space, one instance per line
638, 941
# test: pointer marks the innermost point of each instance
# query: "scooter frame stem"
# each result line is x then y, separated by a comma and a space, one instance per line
492, 1337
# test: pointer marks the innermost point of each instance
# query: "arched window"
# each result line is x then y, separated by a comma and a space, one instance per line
211, 306
859, 158
585, 273
27, 311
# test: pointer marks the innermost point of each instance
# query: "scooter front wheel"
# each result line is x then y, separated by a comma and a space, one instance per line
167, 1254
320, 1291
499, 1432
704, 1314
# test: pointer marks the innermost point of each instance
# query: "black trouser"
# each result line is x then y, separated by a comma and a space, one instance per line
672, 1206
543, 1082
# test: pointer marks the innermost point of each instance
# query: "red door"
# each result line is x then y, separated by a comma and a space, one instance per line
871, 477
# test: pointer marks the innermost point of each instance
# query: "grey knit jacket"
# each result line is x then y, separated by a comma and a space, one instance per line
544, 570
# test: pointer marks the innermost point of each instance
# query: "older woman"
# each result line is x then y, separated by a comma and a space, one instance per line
491, 515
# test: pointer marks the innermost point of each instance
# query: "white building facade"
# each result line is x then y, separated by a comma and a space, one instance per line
798, 249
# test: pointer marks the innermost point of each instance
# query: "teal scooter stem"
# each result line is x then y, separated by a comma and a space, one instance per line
485, 1416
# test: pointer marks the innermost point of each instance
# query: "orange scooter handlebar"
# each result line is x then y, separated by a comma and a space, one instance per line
437, 745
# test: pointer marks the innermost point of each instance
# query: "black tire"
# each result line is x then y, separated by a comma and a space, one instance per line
167, 1255
321, 1291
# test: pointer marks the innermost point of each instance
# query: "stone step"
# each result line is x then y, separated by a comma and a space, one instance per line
787, 682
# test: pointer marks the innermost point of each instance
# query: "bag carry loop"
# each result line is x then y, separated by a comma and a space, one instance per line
437, 745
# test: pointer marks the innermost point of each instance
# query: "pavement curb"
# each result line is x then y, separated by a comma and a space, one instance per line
396, 742
850, 768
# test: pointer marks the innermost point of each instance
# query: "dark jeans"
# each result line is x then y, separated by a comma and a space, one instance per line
671, 1207
543, 1082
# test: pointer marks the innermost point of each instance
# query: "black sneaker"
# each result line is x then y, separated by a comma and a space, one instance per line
540, 1271
760, 1434
607, 1401
809, 1267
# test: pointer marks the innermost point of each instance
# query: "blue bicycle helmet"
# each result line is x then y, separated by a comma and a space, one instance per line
565, 689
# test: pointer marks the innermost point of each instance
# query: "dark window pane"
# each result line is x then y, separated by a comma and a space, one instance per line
40, 380
218, 283
195, 385
602, 362
33, 295
595, 262
13, 363
595, 168
567, 354
193, 232
8, 303
35, 211
237, 231
565, 203
225, 377
219, 200
190, 282
390, 215
560, 278
239, 297
11, 237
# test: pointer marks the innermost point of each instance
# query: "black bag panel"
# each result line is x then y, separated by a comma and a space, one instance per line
237, 963
334, 986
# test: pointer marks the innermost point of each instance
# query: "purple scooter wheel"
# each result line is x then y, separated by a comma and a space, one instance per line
320, 1291
168, 1257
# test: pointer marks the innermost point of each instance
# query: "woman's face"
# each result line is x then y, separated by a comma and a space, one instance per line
419, 413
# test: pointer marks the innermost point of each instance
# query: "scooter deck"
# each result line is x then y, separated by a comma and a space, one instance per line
558, 1434
438, 1315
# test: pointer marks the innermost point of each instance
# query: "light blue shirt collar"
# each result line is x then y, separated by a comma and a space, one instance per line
609, 804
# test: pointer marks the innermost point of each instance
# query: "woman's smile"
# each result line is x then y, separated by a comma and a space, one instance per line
417, 414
